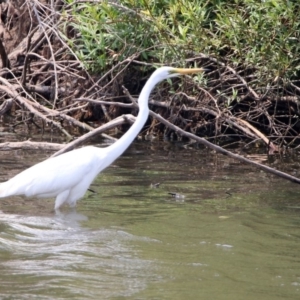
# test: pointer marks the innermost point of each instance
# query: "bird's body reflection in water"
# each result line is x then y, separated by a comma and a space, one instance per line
71, 217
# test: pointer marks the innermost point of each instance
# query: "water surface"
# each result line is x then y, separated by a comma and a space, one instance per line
232, 232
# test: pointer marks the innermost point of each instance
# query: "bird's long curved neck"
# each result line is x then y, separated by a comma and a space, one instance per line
124, 142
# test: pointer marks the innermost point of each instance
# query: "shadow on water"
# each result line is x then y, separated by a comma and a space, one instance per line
234, 235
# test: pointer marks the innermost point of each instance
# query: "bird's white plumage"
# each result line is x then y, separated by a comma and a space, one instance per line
71, 172
68, 176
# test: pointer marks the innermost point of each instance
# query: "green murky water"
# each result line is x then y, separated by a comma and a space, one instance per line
234, 234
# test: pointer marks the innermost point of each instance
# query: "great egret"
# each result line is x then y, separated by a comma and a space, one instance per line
68, 176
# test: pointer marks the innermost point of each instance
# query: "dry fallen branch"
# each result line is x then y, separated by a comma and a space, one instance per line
9, 89
61, 148
217, 148
86, 137
224, 151
28, 145
241, 125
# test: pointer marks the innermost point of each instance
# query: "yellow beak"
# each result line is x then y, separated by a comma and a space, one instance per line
188, 71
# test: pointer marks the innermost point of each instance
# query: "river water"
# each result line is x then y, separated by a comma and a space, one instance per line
230, 232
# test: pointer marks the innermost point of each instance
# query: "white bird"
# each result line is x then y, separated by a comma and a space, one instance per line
68, 176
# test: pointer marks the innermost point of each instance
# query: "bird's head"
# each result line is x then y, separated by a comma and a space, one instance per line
169, 72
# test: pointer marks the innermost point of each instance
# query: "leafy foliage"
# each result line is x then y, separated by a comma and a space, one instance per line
260, 34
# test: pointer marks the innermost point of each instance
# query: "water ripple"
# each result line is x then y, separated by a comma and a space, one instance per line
44, 255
